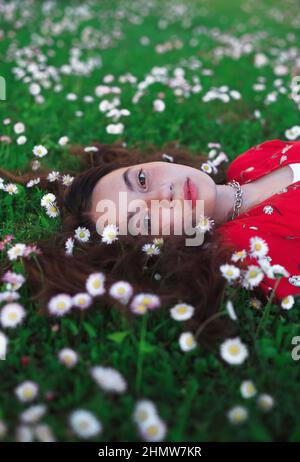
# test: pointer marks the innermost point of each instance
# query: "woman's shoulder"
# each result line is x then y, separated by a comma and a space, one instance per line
263, 157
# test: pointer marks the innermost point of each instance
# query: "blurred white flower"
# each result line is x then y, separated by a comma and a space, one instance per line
187, 341
40, 151
182, 311
84, 424
95, 284
27, 391
68, 357
233, 351
237, 415
60, 304
12, 315
109, 379
248, 389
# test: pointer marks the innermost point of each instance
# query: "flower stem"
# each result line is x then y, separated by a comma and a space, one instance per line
141, 354
267, 309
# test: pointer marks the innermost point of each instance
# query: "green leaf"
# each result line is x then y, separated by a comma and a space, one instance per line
147, 347
90, 330
118, 337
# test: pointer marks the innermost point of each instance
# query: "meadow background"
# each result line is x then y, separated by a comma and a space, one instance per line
55, 56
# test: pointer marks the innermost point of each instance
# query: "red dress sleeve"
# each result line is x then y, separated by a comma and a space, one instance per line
276, 220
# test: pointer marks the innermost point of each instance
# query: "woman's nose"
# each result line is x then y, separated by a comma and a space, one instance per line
162, 194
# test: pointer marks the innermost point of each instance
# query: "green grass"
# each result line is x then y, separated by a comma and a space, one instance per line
192, 391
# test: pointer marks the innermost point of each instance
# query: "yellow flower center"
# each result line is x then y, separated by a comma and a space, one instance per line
234, 350
12, 316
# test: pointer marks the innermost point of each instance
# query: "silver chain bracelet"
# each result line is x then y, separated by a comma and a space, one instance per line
238, 198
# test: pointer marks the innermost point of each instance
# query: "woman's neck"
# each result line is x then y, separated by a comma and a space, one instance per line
253, 193
225, 199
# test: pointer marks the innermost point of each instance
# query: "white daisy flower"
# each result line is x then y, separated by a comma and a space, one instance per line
3, 345
159, 105
252, 277
206, 167
40, 151
95, 284
265, 402
34, 89
48, 199
167, 157
248, 389
33, 414
182, 311
11, 188
268, 210
52, 210
144, 301
82, 234
144, 410
19, 128
237, 415
9, 296
12, 315
82, 300
233, 351
287, 302
258, 247
239, 255
35, 164
158, 241
63, 140
43, 433
33, 182
280, 270
53, 176
115, 129
109, 234
69, 245
21, 140
16, 251
91, 149
27, 391
60, 304
230, 310
153, 429
205, 224
68, 357
109, 379
67, 180
293, 132
187, 341
266, 266
84, 424
230, 272
24, 434
13, 281
151, 249
122, 291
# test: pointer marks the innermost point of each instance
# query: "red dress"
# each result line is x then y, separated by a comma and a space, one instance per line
276, 219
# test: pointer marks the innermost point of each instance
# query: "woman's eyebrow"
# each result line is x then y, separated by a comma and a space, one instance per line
127, 180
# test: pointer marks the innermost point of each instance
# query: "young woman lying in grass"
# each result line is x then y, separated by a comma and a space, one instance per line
126, 239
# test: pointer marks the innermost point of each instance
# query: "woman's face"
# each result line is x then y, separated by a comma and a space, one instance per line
135, 193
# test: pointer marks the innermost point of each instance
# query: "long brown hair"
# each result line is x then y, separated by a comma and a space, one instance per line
186, 275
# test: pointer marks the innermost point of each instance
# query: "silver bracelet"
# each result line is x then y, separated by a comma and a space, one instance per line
238, 198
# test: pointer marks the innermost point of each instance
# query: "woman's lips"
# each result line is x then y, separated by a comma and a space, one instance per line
190, 191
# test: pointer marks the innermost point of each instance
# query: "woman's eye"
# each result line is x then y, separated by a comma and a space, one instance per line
142, 178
